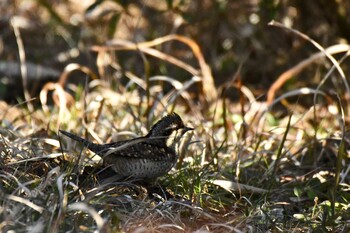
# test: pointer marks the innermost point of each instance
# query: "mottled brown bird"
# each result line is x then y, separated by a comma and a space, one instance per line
145, 157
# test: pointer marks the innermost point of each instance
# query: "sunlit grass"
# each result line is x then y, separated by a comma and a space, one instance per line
269, 179
247, 167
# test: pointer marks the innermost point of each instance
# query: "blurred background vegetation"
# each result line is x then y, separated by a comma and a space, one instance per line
296, 163
234, 37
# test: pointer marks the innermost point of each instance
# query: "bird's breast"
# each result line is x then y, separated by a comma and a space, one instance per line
142, 168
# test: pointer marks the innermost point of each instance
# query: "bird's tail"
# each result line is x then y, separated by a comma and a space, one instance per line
91, 146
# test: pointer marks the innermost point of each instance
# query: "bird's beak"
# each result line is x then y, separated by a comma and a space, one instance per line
185, 129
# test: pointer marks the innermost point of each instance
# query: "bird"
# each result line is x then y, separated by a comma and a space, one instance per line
146, 157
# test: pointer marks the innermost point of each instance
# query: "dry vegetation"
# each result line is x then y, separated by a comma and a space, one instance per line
270, 107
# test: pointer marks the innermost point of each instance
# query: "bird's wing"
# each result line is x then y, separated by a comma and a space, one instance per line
141, 147
140, 150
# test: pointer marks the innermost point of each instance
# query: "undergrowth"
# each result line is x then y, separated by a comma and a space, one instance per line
247, 167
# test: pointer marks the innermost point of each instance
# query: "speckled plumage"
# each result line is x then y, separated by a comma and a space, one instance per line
145, 157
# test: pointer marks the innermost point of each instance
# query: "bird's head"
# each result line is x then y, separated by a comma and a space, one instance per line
170, 129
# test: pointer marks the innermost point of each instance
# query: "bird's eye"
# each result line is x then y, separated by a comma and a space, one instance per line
168, 131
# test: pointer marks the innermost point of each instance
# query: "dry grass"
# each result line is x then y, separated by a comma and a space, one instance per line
247, 167
250, 172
